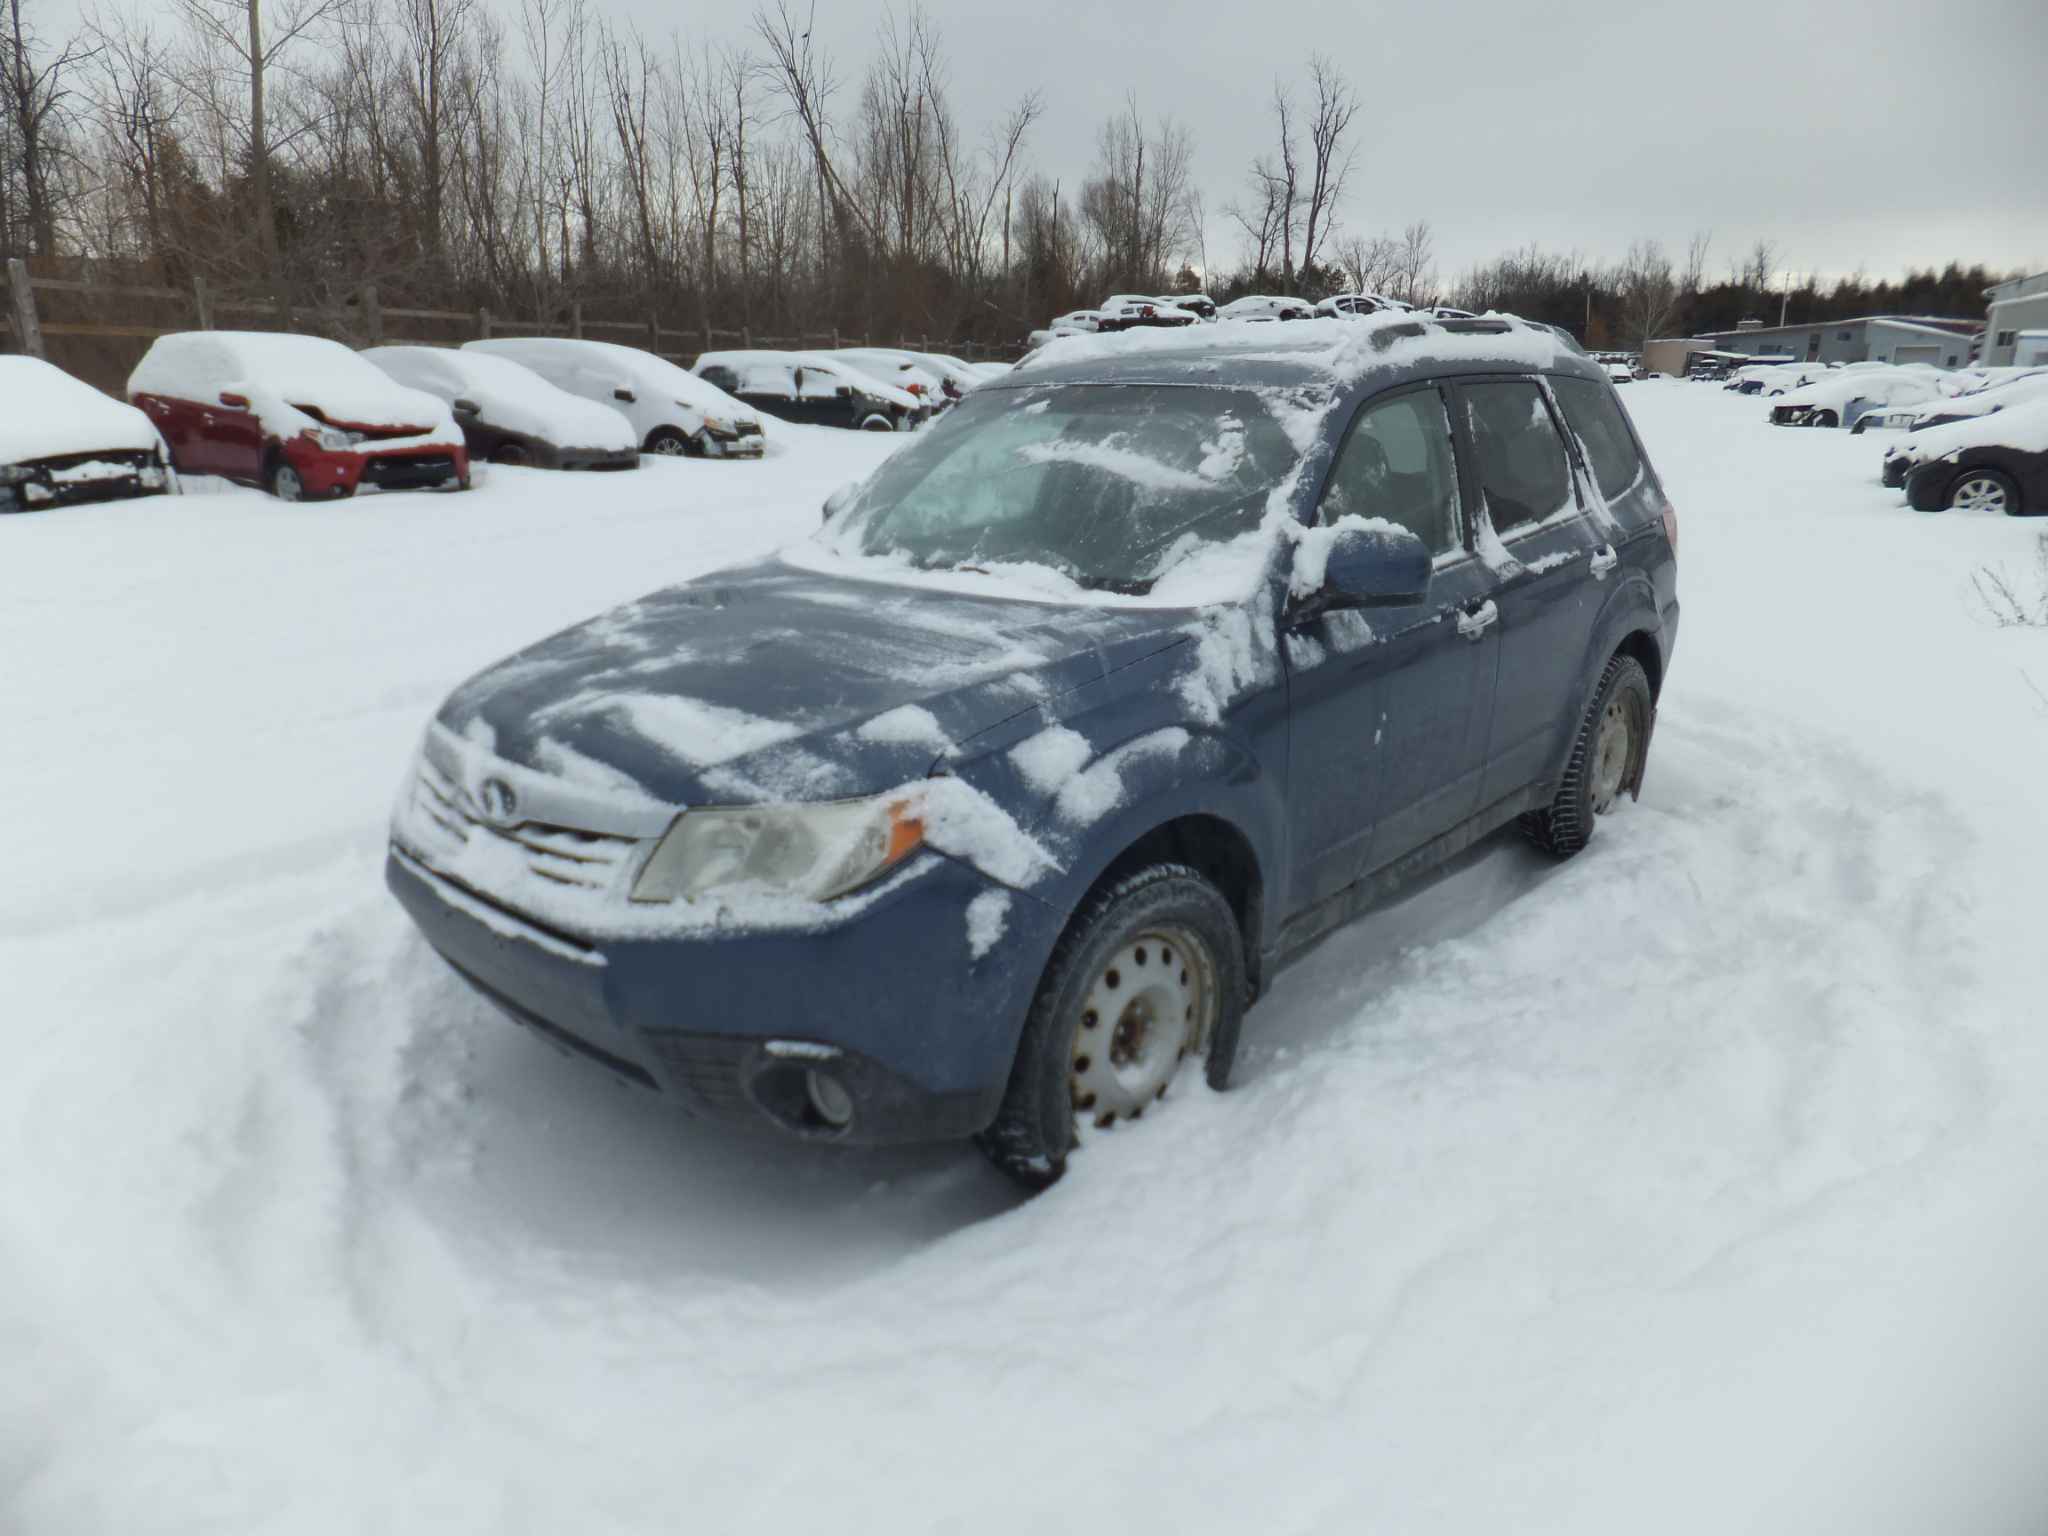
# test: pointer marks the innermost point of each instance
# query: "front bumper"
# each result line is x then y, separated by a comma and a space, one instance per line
1927, 485
891, 1003
746, 442
71, 480
1896, 469
343, 471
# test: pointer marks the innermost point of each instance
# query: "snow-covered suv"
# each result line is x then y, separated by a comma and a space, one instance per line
989, 810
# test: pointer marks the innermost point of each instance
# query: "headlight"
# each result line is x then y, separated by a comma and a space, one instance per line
333, 438
718, 424
813, 852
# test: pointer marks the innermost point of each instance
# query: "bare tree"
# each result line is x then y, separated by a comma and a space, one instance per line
37, 98
1647, 289
1330, 161
1415, 262
235, 30
1696, 262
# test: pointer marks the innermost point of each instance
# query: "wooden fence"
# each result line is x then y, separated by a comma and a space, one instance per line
101, 351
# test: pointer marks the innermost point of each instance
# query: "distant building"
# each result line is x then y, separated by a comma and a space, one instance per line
2017, 308
1866, 339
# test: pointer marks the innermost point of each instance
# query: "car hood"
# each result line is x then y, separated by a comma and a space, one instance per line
46, 414
766, 682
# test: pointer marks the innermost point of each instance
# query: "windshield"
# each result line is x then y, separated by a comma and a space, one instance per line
1110, 484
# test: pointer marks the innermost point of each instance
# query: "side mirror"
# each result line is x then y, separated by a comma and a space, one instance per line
465, 407
622, 393
234, 402
1358, 566
840, 499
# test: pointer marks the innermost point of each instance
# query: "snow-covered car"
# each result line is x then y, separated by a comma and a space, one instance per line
955, 375
986, 811
1995, 463
1200, 305
1125, 311
1345, 305
1620, 373
1075, 322
820, 388
1784, 373
1448, 312
2006, 388
1844, 397
63, 442
908, 371
670, 409
301, 416
1266, 306
511, 415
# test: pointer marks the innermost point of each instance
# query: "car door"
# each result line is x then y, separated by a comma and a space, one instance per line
1547, 556
1390, 708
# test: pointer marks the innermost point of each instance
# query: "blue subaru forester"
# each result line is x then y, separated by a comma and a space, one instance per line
987, 809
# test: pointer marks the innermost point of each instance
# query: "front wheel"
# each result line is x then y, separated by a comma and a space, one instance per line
1149, 974
1823, 419
513, 455
1985, 490
285, 483
1607, 757
878, 423
668, 442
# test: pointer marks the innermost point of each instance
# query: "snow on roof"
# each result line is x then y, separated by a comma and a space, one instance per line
1340, 349
2023, 426
45, 412
828, 362
281, 373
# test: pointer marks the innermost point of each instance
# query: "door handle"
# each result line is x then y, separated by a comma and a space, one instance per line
1604, 560
1474, 622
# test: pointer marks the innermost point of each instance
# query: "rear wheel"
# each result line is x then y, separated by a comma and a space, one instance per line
1607, 758
1149, 974
668, 442
514, 454
1984, 490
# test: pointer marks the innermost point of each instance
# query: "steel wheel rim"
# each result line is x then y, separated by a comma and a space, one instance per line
1979, 493
1150, 1006
1612, 747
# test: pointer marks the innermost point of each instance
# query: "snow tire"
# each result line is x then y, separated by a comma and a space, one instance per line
1034, 1130
1565, 826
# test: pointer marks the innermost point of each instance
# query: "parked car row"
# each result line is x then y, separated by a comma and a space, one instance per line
308, 418
1993, 462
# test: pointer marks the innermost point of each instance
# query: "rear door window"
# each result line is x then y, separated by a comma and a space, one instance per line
1522, 468
1595, 415
1398, 464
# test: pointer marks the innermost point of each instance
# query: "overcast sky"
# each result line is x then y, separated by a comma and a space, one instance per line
1879, 135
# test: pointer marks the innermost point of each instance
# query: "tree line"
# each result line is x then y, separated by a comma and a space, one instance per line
460, 157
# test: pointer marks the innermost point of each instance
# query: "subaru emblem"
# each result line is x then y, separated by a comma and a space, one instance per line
497, 799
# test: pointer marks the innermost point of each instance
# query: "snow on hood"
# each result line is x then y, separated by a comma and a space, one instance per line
44, 412
767, 682
507, 395
286, 379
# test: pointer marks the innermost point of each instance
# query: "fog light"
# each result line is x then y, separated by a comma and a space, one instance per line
829, 1098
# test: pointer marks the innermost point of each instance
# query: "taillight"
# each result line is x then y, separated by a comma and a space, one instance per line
1671, 526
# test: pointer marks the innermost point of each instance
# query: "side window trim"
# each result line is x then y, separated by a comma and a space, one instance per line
1469, 455
1467, 545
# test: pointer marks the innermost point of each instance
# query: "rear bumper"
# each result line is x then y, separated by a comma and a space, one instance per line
891, 1003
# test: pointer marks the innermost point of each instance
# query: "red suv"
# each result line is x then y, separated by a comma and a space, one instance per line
298, 415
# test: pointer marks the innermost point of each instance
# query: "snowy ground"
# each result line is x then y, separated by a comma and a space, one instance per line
1694, 1186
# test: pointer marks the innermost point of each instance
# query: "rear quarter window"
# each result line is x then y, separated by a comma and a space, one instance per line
1595, 416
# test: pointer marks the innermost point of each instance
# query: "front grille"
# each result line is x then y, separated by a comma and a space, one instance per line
567, 856
394, 471
707, 1069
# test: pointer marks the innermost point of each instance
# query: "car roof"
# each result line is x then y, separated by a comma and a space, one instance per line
1365, 355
